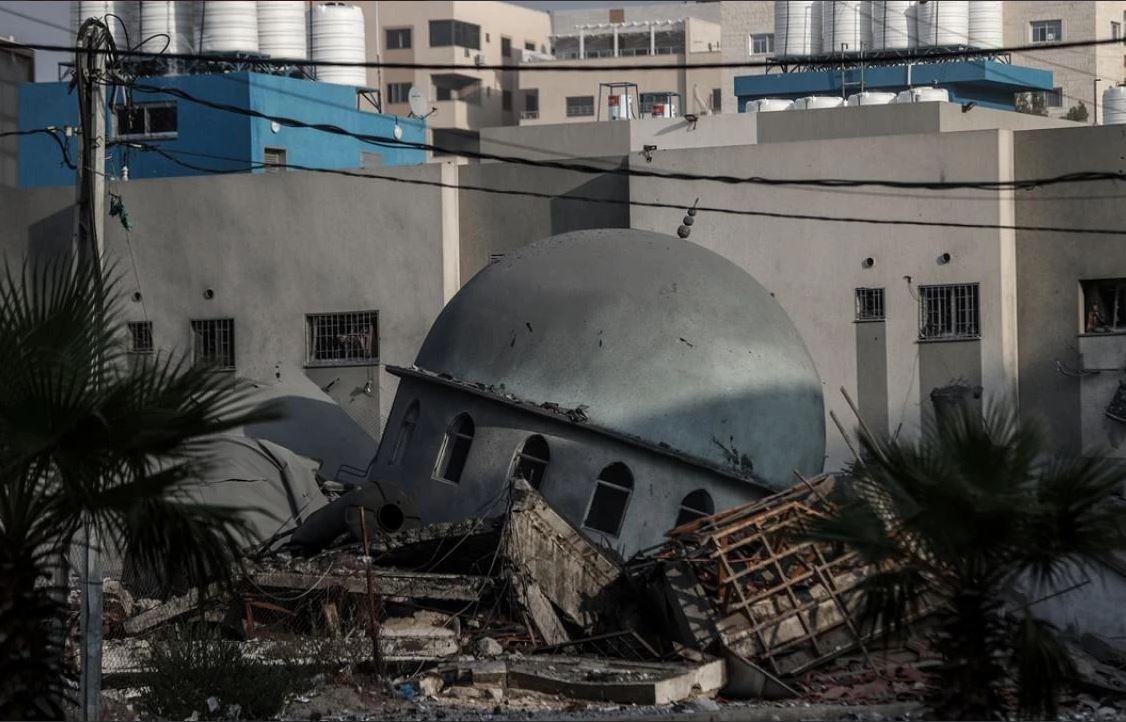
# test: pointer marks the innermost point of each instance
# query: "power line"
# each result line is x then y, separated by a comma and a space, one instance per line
537, 67
55, 133
590, 169
172, 156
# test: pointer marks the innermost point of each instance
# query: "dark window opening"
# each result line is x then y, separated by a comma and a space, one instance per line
443, 93
506, 100
455, 450
580, 105
1047, 31
530, 47
1104, 305
406, 431
444, 33
717, 100
532, 101
140, 337
531, 461
694, 506
505, 47
869, 304
398, 92
145, 120
343, 338
213, 343
611, 497
399, 39
949, 311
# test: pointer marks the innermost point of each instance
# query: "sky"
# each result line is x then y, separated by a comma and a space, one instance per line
48, 20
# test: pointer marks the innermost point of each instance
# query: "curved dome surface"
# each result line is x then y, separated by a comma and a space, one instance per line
656, 337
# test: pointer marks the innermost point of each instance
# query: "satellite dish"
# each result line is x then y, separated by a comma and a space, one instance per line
417, 102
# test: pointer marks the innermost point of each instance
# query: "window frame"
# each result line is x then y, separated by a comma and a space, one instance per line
143, 331
505, 46
754, 38
717, 100
393, 87
696, 513
407, 426
521, 454
600, 482
229, 361
147, 134
460, 33
275, 166
454, 433
1117, 323
1053, 98
572, 110
953, 311
865, 296
1044, 25
341, 318
506, 100
409, 30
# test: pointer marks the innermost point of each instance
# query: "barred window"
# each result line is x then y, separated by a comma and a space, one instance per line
608, 504
140, 337
949, 311
870, 304
580, 105
213, 343
343, 338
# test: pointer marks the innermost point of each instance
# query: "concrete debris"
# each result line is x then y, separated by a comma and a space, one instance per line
488, 647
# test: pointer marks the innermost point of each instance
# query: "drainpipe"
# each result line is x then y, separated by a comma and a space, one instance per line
582, 44
615, 41
1095, 101
652, 39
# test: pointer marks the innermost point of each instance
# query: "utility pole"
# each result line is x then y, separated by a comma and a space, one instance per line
90, 67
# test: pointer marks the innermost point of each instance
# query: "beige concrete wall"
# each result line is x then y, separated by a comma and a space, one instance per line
16, 66
740, 20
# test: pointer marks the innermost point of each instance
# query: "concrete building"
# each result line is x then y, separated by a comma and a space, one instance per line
747, 35
631, 377
197, 131
16, 66
462, 33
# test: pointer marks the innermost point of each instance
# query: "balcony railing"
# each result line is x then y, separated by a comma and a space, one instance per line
529, 115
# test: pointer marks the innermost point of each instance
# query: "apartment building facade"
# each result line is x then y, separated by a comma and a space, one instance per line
17, 65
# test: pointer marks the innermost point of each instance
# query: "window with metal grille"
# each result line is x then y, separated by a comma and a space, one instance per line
398, 38
274, 159
1053, 98
697, 504
349, 338
495, 257
949, 311
1046, 31
398, 92
869, 304
145, 120
717, 100
213, 343
608, 504
529, 46
455, 450
140, 337
580, 105
505, 47
762, 43
530, 462
406, 431
1104, 305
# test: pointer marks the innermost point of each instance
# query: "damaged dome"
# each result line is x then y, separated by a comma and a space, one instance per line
650, 336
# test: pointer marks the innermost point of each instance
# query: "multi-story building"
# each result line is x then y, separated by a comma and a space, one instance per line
747, 35
444, 32
17, 65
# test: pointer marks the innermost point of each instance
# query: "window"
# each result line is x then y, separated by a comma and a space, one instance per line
530, 462
506, 100
1115, 30
398, 92
1047, 31
580, 105
611, 497
398, 38
1053, 98
869, 304
505, 47
717, 100
532, 101
455, 450
273, 159
697, 504
406, 431
145, 120
762, 43
336, 339
948, 311
213, 343
444, 33
530, 47
1104, 305
140, 337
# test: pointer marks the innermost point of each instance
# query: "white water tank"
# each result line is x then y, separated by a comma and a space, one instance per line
770, 105
1114, 105
923, 95
230, 26
814, 102
986, 24
281, 29
817, 22
869, 97
338, 36
943, 23
168, 23
619, 106
794, 27
120, 17
847, 25
893, 24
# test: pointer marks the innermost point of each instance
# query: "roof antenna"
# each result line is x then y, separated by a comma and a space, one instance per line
685, 228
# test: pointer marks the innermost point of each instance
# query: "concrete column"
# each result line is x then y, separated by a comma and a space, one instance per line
582, 44
615, 41
652, 39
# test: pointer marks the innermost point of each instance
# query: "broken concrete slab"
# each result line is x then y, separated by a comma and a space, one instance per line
616, 681
536, 604
389, 583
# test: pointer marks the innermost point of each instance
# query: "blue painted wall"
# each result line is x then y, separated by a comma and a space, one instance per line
211, 132
986, 82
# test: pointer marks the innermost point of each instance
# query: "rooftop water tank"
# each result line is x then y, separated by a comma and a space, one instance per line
923, 95
1114, 105
944, 22
230, 26
817, 22
338, 36
813, 102
869, 97
167, 26
986, 24
893, 24
120, 17
846, 25
770, 105
281, 29
794, 26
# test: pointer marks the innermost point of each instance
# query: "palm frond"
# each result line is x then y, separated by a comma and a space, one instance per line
1041, 662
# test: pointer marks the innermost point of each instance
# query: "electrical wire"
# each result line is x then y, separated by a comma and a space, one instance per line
54, 133
248, 166
591, 169
967, 53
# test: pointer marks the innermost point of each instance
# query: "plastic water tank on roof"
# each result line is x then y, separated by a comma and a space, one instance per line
120, 17
770, 105
846, 26
944, 22
814, 102
338, 36
796, 24
167, 23
986, 24
893, 24
923, 95
281, 29
230, 26
659, 338
1114, 105
869, 97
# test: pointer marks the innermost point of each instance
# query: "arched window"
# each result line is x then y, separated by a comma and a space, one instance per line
611, 497
697, 504
531, 460
455, 450
406, 431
